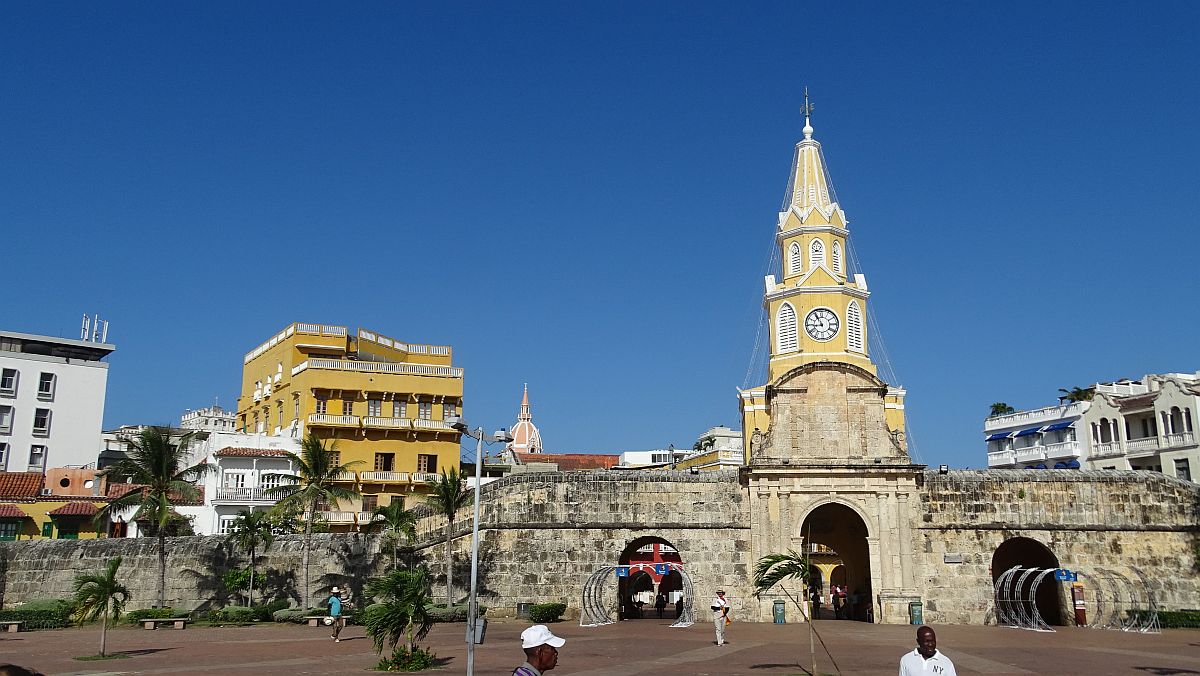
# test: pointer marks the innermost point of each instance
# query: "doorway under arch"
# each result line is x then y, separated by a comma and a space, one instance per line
1029, 553
839, 528
646, 558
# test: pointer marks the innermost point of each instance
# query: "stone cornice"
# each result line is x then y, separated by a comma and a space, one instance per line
789, 291
805, 229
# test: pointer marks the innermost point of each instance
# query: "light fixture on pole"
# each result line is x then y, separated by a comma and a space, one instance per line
460, 425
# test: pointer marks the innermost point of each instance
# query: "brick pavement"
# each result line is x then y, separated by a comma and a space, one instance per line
626, 648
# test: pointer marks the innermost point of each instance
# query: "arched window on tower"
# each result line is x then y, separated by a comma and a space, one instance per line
785, 328
794, 263
836, 255
816, 253
854, 327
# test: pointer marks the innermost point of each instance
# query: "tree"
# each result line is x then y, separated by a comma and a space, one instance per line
100, 595
400, 610
449, 493
159, 470
1076, 394
394, 523
313, 485
249, 531
775, 568
1001, 408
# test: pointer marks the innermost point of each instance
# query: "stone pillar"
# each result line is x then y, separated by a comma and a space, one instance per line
907, 574
884, 534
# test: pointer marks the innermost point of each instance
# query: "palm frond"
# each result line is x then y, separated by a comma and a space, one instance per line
775, 568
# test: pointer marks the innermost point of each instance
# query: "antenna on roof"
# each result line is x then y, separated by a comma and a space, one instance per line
94, 329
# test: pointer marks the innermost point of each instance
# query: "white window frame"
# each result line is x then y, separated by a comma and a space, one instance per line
836, 256
787, 327
425, 410
7, 413
46, 393
233, 480
13, 376
347, 407
425, 465
44, 430
44, 452
322, 406
4, 448
225, 525
269, 480
399, 408
795, 259
449, 410
816, 252
375, 408
856, 339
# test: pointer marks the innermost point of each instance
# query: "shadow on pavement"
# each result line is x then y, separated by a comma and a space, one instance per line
1166, 671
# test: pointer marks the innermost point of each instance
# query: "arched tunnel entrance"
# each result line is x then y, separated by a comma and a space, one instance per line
653, 572
836, 541
1029, 553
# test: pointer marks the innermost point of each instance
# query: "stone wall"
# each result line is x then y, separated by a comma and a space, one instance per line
1142, 527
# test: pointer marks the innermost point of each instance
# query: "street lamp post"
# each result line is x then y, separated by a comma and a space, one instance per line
472, 604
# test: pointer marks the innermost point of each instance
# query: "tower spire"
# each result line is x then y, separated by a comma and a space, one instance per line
525, 414
809, 184
807, 110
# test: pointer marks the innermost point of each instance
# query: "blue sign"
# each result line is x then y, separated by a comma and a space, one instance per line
622, 571
1065, 575
662, 568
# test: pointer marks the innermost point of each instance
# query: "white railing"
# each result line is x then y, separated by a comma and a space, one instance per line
244, 495
431, 425
1031, 453
1145, 444
1063, 449
374, 337
388, 423
339, 517
424, 477
1044, 414
384, 477
321, 330
379, 367
345, 476
326, 419
365, 517
1107, 449
1178, 439
1001, 458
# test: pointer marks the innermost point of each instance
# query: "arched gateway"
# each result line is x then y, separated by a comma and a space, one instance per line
648, 567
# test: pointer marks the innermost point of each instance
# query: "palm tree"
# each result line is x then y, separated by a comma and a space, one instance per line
160, 471
1001, 408
314, 484
100, 595
775, 568
251, 530
400, 609
1076, 394
394, 523
448, 493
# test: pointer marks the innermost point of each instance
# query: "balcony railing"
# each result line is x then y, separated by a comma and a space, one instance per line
384, 477
1031, 453
1001, 458
339, 517
378, 367
333, 420
1141, 445
439, 425
1045, 414
1178, 439
244, 495
345, 476
1107, 449
365, 517
424, 477
1063, 449
387, 423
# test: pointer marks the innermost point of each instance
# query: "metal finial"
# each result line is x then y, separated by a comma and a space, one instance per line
807, 109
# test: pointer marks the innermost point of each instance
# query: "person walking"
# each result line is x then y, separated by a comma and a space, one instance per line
926, 659
335, 611
660, 604
720, 610
541, 651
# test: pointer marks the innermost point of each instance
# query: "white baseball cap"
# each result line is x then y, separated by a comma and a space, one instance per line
538, 635
334, 590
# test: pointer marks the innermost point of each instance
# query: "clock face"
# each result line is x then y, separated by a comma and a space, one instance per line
821, 324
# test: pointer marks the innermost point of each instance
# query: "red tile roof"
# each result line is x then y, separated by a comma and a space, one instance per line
571, 461
75, 509
20, 485
121, 490
12, 512
242, 452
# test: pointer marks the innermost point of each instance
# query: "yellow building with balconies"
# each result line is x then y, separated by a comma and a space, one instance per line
385, 402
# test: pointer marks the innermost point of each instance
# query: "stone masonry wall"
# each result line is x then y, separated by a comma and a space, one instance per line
1140, 526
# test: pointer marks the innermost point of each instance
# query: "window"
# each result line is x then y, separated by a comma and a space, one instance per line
660, 457
1182, 469
296, 408
816, 253
235, 480
427, 463
794, 262
321, 405
347, 408
370, 502
226, 526
37, 457
785, 329
8, 382
41, 422
385, 462
3, 456
46, 387
398, 409
6, 418
836, 255
268, 481
425, 410
9, 530
854, 327
279, 407
68, 530
335, 458
48, 529
374, 408
449, 410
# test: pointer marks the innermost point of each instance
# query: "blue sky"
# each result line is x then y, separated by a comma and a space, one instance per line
582, 196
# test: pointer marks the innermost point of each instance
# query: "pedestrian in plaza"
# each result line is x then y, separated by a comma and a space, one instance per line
720, 611
842, 601
816, 601
679, 607
660, 604
541, 651
926, 659
335, 612
835, 601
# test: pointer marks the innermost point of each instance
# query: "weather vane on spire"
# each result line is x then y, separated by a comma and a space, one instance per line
807, 110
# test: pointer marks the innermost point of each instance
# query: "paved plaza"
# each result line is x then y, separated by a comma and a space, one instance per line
626, 648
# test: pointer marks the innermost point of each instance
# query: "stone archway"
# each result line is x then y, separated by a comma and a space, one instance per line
1028, 553
651, 560
841, 529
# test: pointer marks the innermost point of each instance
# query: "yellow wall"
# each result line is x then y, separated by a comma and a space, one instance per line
31, 528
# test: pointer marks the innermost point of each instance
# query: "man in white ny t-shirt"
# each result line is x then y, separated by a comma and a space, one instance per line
926, 659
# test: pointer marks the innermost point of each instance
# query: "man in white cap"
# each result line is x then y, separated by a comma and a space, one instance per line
335, 612
720, 609
541, 651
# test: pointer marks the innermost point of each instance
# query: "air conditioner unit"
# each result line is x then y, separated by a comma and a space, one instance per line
44, 491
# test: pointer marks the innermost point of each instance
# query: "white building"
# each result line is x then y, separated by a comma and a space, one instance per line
243, 465
210, 419
1145, 424
657, 457
51, 401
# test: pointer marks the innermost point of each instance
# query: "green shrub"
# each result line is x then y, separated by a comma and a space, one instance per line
135, 616
546, 612
296, 615
246, 614
456, 613
1171, 619
41, 614
403, 660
